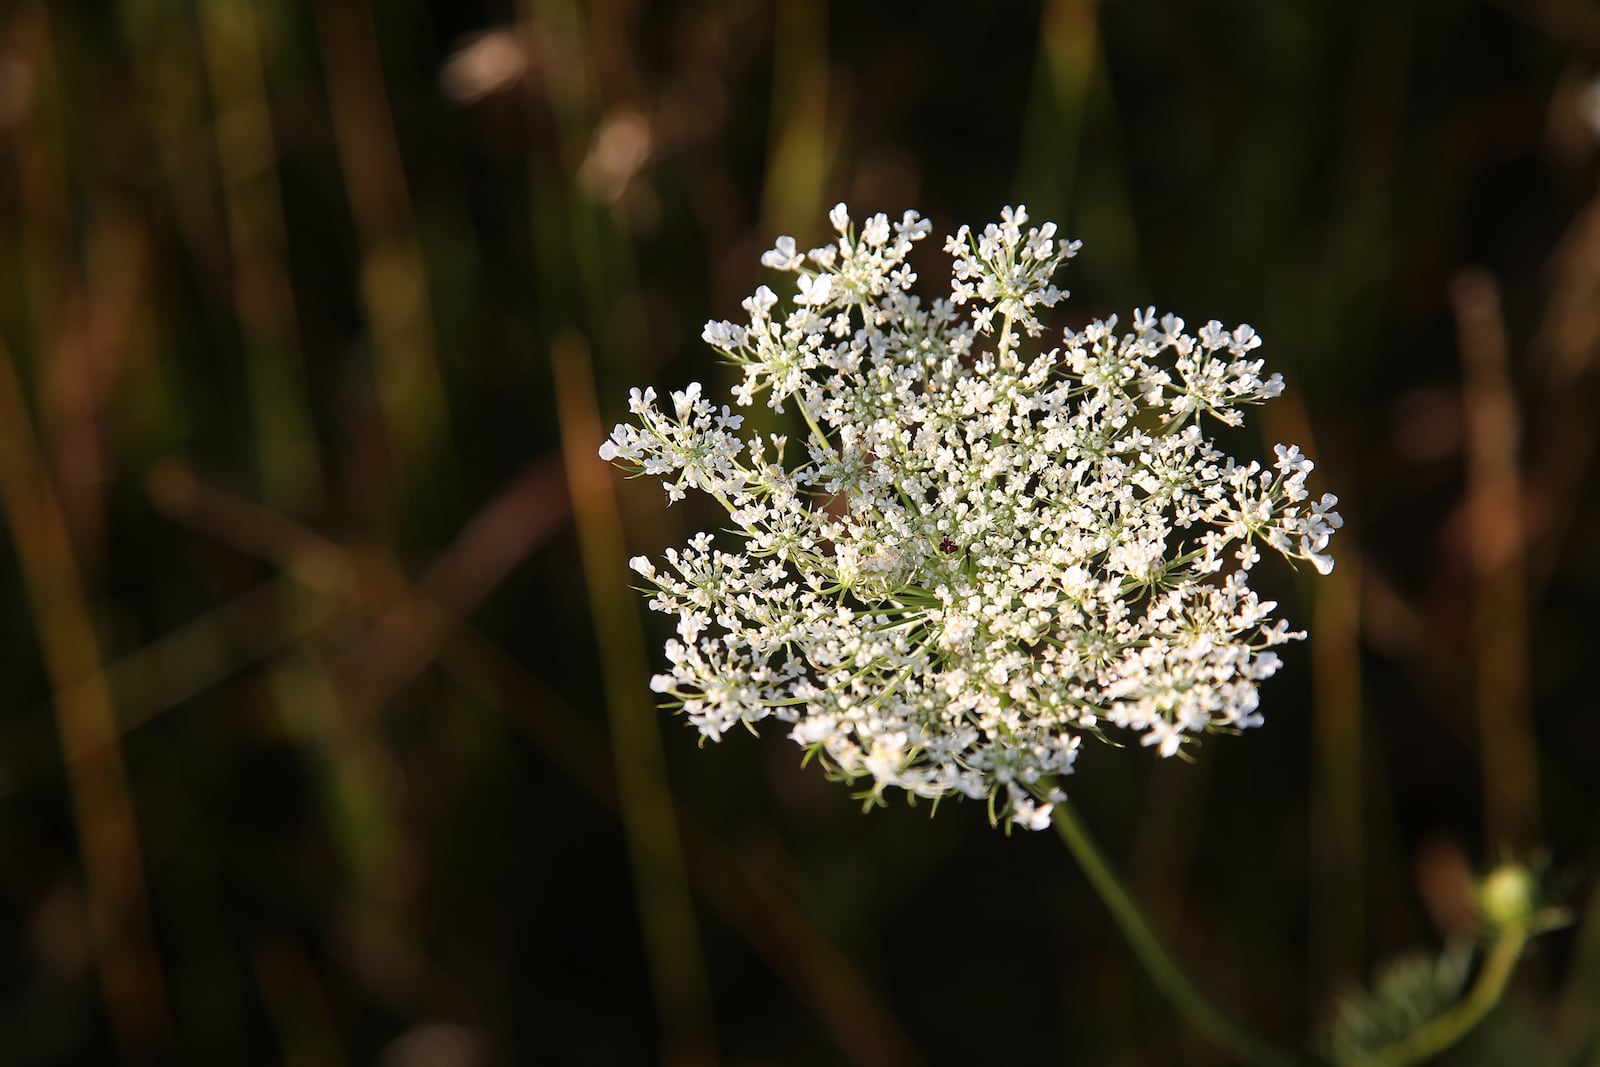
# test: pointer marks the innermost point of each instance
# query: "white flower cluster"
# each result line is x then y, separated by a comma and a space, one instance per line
979, 555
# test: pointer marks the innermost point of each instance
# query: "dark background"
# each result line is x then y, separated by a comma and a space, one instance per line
323, 701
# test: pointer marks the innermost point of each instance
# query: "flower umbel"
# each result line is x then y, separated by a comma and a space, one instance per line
979, 554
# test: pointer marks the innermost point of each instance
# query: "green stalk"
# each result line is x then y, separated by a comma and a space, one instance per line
1163, 970
822, 438
1438, 1034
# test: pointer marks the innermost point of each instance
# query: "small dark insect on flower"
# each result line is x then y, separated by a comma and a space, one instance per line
947, 546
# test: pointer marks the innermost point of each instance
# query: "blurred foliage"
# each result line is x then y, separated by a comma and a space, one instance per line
1408, 992
311, 665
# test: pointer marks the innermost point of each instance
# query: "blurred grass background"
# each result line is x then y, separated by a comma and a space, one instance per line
324, 729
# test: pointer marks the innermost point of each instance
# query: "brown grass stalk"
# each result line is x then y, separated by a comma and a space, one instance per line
130, 970
1500, 612
393, 275
666, 913
247, 159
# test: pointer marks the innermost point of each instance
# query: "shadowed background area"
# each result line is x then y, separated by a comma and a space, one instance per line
325, 730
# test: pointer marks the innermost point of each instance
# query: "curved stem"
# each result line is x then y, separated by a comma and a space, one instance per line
1439, 1033
1161, 967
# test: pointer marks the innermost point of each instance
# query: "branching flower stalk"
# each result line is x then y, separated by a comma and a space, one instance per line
986, 548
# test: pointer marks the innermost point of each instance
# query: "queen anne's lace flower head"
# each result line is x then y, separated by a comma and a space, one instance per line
978, 554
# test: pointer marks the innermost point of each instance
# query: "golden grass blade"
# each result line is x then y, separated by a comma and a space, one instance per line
1500, 611
131, 977
666, 912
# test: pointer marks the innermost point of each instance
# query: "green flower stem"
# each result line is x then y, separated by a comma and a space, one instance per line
1162, 968
1439, 1033
822, 438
